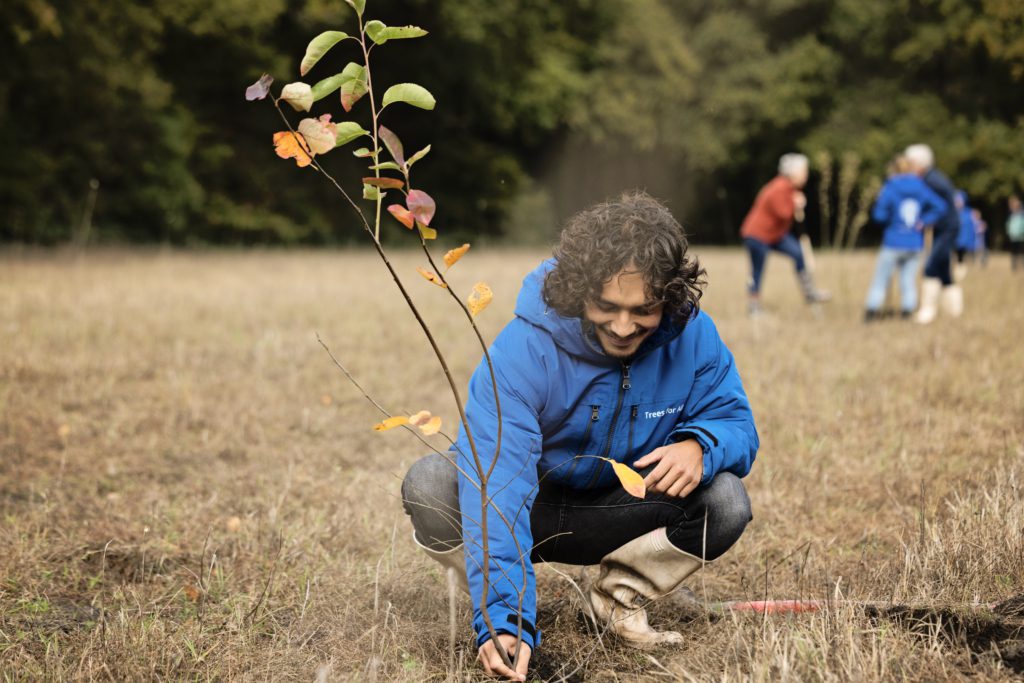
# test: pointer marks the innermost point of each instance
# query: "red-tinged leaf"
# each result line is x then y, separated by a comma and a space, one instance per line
453, 255
362, 153
427, 232
320, 134
421, 205
431, 277
393, 144
479, 298
391, 423
630, 479
402, 215
289, 145
351, 92
259, 89
386, 183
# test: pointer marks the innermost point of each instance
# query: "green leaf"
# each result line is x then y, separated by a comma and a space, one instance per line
318, 47
351, 92
349, 131
410, 93
372, 193
381, 33
363, 152
357, 5
328, 85
385, 166
299, 95
417, 156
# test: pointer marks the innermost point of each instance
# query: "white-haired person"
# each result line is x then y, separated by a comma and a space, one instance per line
938, 273
769, 224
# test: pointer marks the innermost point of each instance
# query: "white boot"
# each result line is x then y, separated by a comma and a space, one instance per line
953, 300
959, 272
930, 290
453, 561
644, 569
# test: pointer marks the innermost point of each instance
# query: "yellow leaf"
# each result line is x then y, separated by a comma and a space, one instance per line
431, 277
629, 478
428, 424
391, 423
479, 298
427, 232
453, 255
234, 524
288, 144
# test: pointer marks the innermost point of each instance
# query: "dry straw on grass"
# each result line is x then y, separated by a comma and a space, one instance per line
189, 488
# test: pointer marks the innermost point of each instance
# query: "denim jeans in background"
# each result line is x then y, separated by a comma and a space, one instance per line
939, 263
788, 245
582, 526
890, 259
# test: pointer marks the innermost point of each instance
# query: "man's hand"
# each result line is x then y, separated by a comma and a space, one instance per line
491, 660
799, 204
679, 471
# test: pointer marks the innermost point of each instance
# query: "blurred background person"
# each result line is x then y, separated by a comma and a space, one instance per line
904, 207
1015, 231
938, 275
967, 239
768, 227
980, 238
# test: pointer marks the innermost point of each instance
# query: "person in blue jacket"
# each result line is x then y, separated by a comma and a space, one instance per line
967, 240
905, 206
608, 357
938, 273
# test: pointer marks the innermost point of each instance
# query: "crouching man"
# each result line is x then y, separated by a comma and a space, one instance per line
608, 355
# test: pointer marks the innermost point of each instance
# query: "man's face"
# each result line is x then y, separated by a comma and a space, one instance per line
622, 315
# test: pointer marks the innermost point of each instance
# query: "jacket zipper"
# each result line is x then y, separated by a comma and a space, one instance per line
623, 388
595, 414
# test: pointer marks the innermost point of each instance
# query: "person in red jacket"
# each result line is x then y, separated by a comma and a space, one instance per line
769, 223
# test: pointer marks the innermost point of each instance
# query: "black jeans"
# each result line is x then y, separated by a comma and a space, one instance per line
582, 526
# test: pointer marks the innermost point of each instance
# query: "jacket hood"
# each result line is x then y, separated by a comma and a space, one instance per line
570, 334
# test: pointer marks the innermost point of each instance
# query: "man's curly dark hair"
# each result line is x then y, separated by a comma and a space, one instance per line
634, 231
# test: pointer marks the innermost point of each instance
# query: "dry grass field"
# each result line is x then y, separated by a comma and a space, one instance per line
190, 490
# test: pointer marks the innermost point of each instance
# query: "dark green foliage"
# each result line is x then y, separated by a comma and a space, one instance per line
542, 107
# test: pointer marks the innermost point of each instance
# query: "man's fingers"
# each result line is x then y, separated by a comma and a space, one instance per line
657, 473
653, 456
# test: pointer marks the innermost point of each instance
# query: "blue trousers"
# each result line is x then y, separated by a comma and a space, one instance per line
890, 259
788, 245
939, 260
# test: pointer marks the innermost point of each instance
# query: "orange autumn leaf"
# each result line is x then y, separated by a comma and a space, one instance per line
391, 423
385, 183
431, 277
453, 255
479, 298
288, 145
427, 423
629, 478
402, 215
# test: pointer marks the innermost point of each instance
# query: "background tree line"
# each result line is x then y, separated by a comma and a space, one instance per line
542, 107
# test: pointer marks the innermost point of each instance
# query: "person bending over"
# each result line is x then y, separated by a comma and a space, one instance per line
768, 227
608, 355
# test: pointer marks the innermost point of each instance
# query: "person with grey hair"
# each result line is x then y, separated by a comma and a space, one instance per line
768, 227
938, 273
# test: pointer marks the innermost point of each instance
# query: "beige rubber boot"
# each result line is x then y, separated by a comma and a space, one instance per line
644, 569
953, 300
453, 561
931, 287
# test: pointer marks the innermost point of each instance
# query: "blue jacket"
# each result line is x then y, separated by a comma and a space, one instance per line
942, 186
562, 396
905, 205
967, 238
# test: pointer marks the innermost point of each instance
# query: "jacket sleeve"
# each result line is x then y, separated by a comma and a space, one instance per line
933, 207
780, 204
881, 212
717, 413
512, 485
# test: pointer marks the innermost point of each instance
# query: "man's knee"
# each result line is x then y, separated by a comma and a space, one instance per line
430, 496
432, 478
728, 510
